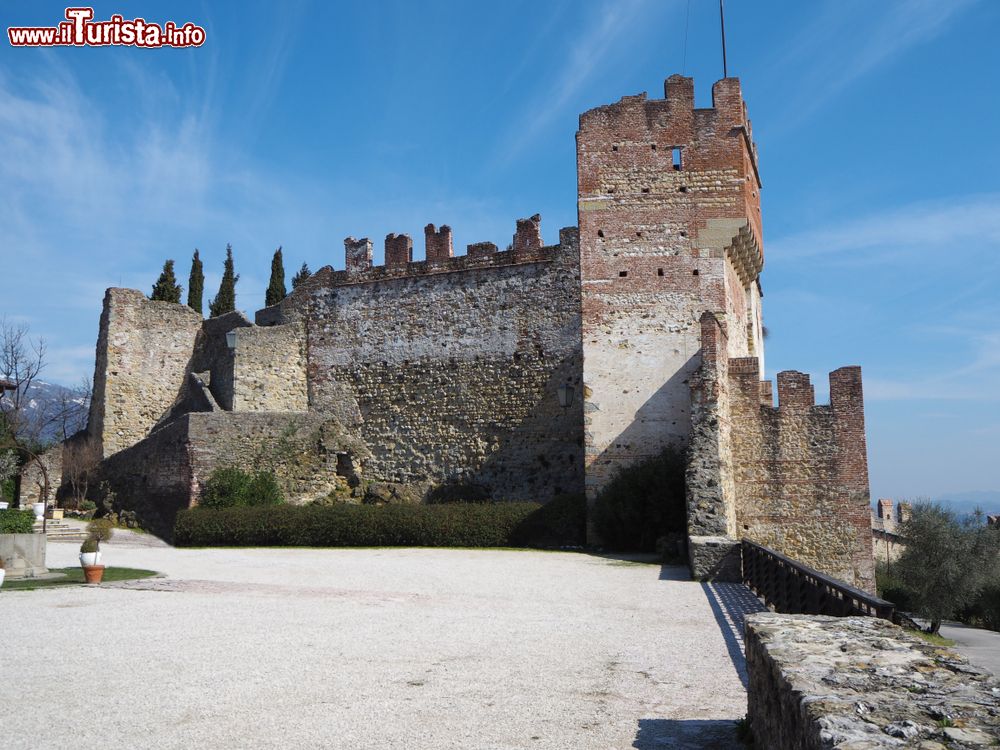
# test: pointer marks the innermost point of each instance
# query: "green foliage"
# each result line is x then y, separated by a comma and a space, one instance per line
196, 284
230, 487
947, 562
16, 521
100, 530
301, 275
225, 300
986, 610
166, 288
455, 525
276, 288
890, 588
642, 503
88, 506
89, 545
561, 522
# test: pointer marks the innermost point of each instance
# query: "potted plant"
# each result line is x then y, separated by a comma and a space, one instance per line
90, 553
99, 530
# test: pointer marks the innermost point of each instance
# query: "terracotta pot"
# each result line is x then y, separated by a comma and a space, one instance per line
93, 573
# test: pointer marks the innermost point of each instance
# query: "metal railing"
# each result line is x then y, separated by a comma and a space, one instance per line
794, 588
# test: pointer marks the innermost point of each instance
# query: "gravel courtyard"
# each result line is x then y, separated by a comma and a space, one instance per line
371, 648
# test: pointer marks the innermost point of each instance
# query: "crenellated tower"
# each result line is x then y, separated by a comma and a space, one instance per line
670, 227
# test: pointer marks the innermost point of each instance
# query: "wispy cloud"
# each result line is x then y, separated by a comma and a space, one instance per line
606, 29
972, 376
850, 40
957, 225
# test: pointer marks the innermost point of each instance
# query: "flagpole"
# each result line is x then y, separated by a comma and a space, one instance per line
722, 20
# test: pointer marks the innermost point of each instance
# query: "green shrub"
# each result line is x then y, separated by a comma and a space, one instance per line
16, 521
643, 503
455, 525
89, 545
100, 530
561, 522
232, 488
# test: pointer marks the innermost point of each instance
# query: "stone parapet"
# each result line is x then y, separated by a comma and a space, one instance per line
858, 682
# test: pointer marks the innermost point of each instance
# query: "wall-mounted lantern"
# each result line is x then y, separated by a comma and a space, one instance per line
231, 339
565, 395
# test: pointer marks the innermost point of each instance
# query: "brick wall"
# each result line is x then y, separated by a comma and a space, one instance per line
669, 228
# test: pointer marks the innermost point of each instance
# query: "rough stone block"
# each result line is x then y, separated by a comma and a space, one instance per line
820, 682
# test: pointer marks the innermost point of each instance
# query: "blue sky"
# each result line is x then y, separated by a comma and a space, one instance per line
875, 123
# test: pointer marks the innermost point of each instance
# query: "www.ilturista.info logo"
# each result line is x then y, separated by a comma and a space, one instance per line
80, 30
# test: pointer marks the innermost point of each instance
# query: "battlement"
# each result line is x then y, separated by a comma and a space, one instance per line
527, 248
437, 243
675, 123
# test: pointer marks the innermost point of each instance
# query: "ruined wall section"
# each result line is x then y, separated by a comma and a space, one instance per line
448, 369
801, 470
269, 369
669, 214
143, 351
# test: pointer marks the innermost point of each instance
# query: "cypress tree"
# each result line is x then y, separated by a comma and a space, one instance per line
276, 289
225, 300
166, 288
300, 276
196, 284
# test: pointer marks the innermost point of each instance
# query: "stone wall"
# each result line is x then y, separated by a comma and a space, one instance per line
858, 682
449, 373
143, 352
269, 369
303, 450
153, 477
32, 479
793, 477
669, 215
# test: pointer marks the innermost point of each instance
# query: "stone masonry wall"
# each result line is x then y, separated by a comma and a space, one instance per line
269, 369
143, 352
792, 477
669, 215
153, 477
451, 377
32, 480
801, 471
859, 682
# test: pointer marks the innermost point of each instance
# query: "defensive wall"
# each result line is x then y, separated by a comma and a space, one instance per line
791, 476
446, 373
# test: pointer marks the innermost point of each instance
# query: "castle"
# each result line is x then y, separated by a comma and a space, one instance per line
519, 373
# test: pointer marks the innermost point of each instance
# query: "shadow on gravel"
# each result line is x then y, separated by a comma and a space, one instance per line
690, 734
731, 603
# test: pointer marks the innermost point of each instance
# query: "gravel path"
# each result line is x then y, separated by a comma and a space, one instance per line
375, 648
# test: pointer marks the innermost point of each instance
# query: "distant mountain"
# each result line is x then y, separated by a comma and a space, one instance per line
966, 502
53, 411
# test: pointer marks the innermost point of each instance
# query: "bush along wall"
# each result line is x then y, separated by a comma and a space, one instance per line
643, 503
444, 525
16, 521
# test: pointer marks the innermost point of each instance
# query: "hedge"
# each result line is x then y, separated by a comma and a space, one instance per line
16, 521
446, 525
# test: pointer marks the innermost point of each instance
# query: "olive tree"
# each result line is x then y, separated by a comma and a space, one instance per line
947, 562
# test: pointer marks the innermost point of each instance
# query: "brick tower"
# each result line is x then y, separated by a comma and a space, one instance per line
670, 227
